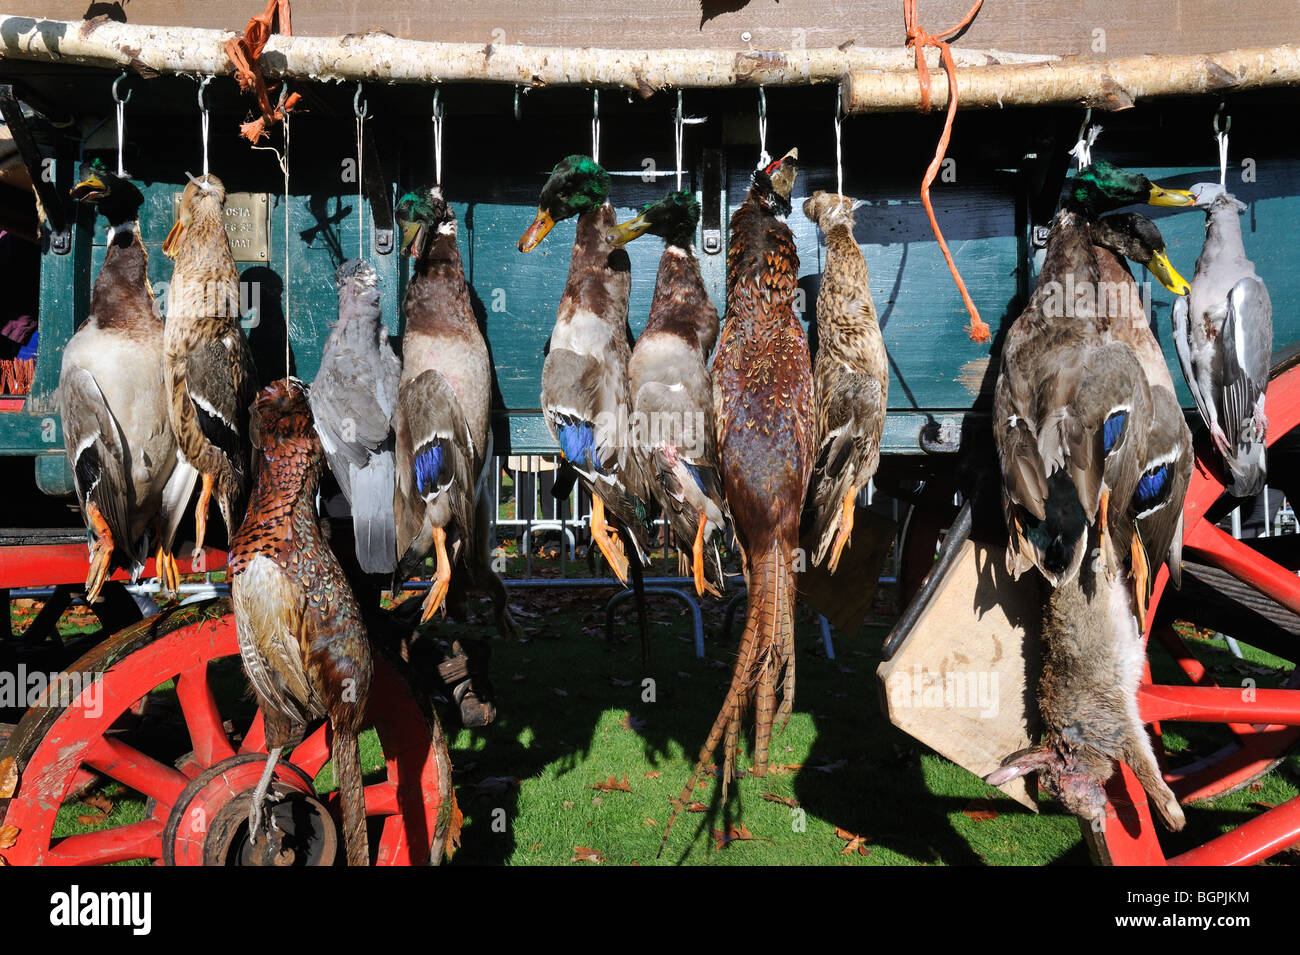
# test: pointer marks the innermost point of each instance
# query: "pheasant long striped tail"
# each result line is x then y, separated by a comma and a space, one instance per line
766, 658
347, 763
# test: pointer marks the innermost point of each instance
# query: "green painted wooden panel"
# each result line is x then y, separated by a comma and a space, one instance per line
493, 183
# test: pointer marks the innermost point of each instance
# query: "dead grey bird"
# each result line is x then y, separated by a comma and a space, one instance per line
353, 399
1087, 697
1223, 331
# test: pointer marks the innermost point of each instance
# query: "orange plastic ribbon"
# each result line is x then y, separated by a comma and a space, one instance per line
244, 52
919, 39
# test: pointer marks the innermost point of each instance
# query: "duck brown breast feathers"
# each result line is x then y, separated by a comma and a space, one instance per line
121, 297
438, 297
600, 276
681, 304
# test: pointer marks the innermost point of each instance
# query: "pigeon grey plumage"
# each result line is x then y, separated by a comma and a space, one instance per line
353, 400
1223, 331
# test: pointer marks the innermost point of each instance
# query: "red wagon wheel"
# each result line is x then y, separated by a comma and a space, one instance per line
197, 808
1264, 723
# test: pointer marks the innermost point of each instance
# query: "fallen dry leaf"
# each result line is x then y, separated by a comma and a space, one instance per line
781, 770
595, 800
783, 800
650, 822
981, 810
8, 777
697, 807
736, 833
854, 842
535, 846
653, 774
567, 804
8, 836
92, 819
583, 854
100, 802
612, 785
630, 722
1260, 804
455, 821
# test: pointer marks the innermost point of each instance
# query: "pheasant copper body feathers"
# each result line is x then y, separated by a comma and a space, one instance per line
132, 485
852, 379
301, 636
206, 360
763, 398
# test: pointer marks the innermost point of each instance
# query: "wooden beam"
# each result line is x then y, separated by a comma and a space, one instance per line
379, 57
1107, 84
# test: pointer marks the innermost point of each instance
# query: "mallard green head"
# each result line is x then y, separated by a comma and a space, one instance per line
420, 214
117, 198
1136, 237
673, 218
578, 184
1101, 187
772, 186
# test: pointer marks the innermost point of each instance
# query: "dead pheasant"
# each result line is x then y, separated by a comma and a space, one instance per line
303, 644
762, 394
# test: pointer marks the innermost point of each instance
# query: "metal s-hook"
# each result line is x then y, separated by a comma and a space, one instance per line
204, 118
360, 108
595, 124
117, 98
120, 102
203, 88
763, 157
438, 113
679, 128
839, 150
1221, 135
1219, 113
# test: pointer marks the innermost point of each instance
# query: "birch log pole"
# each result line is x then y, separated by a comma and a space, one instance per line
875, 79
381, 57
1106, 84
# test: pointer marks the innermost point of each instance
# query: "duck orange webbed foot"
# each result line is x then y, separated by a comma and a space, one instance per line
607, 540
441, 578
100, 554
846, 528
169, 578
201, 515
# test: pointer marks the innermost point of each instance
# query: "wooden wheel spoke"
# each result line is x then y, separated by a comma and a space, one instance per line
1248, 565
254, 740
202, 716
136, 770
313, 752
139, 840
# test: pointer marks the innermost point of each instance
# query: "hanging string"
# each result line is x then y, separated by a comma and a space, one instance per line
359, 109
763, 158
919, 39
437, 139
1222, 136
203, 112
679, 134
839, 151
1082, 149
595, 125
121, 102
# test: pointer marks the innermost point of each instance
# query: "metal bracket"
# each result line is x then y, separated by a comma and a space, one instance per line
60, 230
712, 185
377, 194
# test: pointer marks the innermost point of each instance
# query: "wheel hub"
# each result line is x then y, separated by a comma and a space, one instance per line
208, 825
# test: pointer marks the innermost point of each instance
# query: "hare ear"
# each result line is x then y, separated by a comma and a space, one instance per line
1019, 764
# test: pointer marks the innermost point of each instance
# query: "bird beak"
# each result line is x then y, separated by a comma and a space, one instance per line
1163, 269
412, 238
90, 189
537, 231
625, 232
173, 240
783, 173
1170, 197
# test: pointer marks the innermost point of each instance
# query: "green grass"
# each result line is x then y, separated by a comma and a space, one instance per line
572, 714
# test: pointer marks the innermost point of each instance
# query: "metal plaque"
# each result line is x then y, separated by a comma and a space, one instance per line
248, 224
